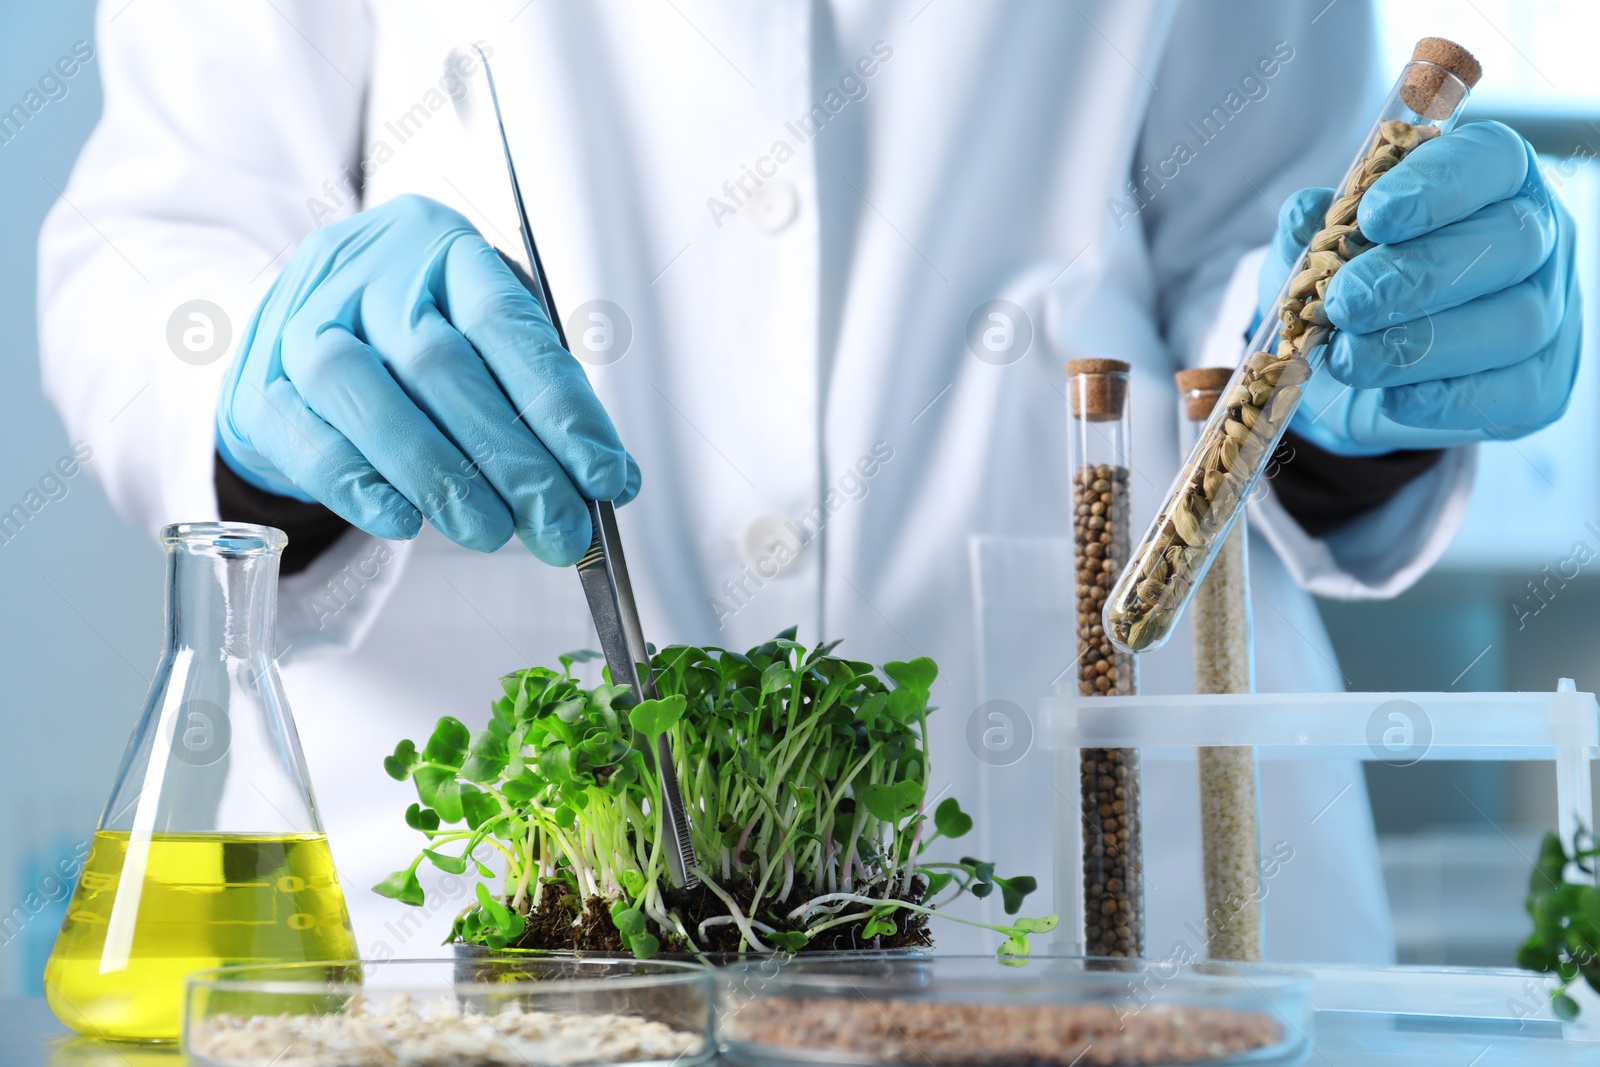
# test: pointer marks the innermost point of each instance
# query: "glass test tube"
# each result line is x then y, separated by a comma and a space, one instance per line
1098, 442
1238, 439
1230, 812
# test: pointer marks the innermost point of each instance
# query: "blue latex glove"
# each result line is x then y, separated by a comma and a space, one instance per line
1464, 323
398, 371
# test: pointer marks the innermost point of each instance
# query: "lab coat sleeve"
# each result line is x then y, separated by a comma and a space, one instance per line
1249, 109
223, 124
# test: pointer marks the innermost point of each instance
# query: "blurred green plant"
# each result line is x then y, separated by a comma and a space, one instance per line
1566, 919
804, 774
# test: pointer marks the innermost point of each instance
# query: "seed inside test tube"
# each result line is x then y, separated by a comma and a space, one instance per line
1230, 834
1238, 441
1113, 869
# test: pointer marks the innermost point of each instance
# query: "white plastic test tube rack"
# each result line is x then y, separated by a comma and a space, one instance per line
1562, 726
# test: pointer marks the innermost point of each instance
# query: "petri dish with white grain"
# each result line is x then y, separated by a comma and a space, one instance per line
561, 1011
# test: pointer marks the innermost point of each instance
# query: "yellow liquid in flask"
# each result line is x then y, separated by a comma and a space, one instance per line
201, 900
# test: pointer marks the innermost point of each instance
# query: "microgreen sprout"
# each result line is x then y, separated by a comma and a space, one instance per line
805, 776
1566, 919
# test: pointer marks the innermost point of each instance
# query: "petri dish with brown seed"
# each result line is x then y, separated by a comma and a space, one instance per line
1035, 1011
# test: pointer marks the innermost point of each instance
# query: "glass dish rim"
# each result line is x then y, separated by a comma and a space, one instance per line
1193, 972
672, 973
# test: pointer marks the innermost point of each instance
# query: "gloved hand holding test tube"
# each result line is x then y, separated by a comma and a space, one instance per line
1506, 320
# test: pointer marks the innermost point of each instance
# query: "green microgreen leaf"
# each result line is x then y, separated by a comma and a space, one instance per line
478, 807
441, 791
892, 803
556, 763
498, 914
950, 820
1015, 945
402, 886
523, 788
630, 922
405, 759
1013, 890
450, 864
776, 677
1550, 866
448, 744
879, 926
905, 706
421, 818
871, 709
486, 757
917, 675
582, 655
655, 717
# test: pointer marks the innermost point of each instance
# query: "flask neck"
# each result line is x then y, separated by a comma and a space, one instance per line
215, 750
222, 596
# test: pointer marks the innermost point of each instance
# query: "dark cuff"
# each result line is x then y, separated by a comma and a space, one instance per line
1322, 490
312, 528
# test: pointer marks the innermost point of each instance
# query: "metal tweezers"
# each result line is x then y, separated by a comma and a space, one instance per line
603, 570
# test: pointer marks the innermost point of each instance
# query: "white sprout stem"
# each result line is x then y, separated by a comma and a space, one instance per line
813, 931
858, 823
545, 866
787, 844
911, 853
811, 906
744, 836
661, 917
788, 875
527, 865
683, 932
724, 920
733, 910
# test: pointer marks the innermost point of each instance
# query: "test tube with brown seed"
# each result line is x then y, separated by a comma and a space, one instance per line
1230, 807
1098, 439
1238, 440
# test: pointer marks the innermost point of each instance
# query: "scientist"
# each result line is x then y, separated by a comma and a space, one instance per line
822, 262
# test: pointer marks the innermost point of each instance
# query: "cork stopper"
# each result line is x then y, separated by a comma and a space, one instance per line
1098, 387
1200, 389
1430, 91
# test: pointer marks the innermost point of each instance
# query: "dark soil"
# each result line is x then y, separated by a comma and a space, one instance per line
555, 923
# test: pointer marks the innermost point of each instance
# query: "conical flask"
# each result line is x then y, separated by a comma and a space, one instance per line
209, 851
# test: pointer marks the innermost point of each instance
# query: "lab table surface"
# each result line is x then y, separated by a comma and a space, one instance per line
31, 1037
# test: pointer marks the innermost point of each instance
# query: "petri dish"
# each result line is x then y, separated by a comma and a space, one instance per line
1042, 1011
564, 1011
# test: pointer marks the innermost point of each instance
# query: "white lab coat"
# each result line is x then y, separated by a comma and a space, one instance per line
778, 341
